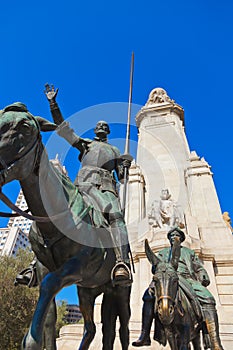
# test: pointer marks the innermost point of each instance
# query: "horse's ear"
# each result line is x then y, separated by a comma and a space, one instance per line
45, 125
153, 259
175, 253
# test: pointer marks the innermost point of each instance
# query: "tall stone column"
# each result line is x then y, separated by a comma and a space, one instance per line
166, 162
162, 146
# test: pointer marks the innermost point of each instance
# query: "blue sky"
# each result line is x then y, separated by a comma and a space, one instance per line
84, 48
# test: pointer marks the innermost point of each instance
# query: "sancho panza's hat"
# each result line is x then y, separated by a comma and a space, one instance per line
182, 235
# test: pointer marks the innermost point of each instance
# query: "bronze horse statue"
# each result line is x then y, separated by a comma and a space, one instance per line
175, 321
63, 238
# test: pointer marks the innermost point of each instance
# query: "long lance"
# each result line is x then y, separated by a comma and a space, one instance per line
126, 153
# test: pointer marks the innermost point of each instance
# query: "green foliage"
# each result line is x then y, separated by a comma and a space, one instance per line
16, 303
81, 321
61, 314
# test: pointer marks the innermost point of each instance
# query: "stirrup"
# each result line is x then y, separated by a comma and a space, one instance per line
27, 277
121, 275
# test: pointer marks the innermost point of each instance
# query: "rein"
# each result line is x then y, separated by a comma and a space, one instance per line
10, 215
25, 214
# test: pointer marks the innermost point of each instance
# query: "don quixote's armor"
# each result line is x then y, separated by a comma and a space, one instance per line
102, 168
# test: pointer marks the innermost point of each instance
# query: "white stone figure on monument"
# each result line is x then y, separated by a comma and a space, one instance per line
227, 219
158, 96
165, 214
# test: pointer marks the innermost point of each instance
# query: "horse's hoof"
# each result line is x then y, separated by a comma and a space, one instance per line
29, 343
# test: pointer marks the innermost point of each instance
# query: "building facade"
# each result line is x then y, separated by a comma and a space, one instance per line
74, 314
15, 235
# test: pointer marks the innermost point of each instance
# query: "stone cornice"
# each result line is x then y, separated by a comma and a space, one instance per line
198, 166
163, 109
135, 174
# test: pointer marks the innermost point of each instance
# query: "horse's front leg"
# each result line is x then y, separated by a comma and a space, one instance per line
51, 284
86, 302
124, 312
171, 337
50, 327
108, 319
51, 318
183, 340
197, 342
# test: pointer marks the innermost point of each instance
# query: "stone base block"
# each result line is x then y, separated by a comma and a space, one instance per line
71, 335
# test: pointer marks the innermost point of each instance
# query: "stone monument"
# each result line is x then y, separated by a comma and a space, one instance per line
165, 163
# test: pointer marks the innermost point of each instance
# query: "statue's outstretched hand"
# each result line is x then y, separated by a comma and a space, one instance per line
50, 92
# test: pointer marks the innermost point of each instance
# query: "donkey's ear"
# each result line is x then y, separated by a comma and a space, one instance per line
153, 259
46, 125
175, 253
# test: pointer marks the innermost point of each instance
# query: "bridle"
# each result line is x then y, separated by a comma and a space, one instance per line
11, 168
173, 300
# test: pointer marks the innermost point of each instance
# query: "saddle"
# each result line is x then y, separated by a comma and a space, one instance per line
97, 216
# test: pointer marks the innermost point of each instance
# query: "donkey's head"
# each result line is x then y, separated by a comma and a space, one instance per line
166, 282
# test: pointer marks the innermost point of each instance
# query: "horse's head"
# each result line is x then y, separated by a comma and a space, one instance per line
19, 141
166, 282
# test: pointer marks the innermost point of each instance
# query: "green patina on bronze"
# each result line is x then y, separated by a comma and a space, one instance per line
178, 294
69, 245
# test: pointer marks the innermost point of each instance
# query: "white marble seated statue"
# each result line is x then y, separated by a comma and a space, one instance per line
165, 213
